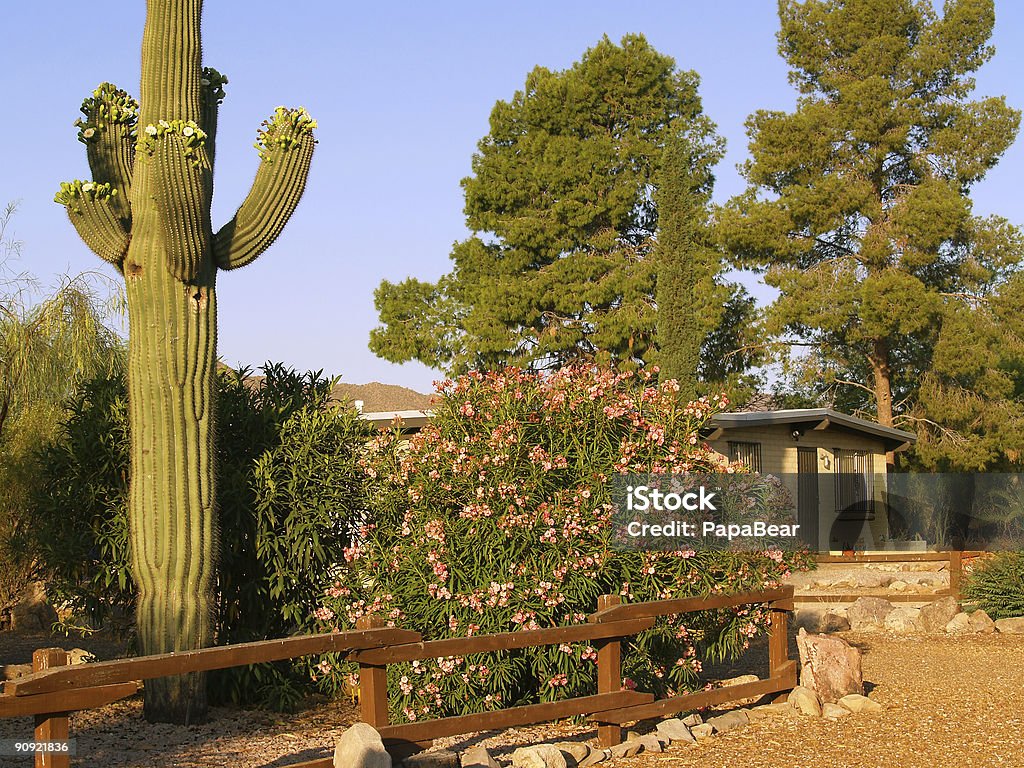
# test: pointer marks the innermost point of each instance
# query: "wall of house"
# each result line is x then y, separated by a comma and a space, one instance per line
779, 457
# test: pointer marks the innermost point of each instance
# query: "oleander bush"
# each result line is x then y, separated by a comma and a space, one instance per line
497, 517
996, 585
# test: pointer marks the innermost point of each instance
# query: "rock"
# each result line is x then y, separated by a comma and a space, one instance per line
577, 750
982, 622
857, 703
80, 656
625, 749
904, 620
829, 666
805, 701
729, 721
652, 743
959, 625
692, 719
539, 756
675, 729
869, 613
595, 757
703, 731
832, 621
741, 680
361, 747
834, 711
936, 615
441, 758
478, 757
1014, 626
866, 579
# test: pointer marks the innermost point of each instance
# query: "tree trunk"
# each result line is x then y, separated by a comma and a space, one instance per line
881, 379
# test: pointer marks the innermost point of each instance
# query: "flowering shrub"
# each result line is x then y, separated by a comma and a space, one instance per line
496, 517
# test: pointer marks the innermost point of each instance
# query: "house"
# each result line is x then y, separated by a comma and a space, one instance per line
833, 464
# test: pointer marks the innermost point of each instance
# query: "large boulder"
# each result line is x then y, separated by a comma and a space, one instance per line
829, 666
361, 747
959, 625
478, 757
540, 756
936, 615
869, 613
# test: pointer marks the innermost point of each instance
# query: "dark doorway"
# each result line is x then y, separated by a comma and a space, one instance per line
808, 513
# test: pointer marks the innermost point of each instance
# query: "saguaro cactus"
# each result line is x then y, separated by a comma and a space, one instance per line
147, 212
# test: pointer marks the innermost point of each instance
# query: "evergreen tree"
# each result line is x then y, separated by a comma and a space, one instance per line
857, 209
560, 267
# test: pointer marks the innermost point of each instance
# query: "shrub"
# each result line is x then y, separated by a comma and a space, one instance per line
288, 488
996, 585
496, 517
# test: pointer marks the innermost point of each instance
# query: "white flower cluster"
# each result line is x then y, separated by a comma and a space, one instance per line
285, 130
193, 136
71, 191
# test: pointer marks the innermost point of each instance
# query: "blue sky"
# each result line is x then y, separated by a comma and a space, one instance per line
402, 93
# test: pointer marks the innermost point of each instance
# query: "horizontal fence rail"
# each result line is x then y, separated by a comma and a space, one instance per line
54, 689
954, 559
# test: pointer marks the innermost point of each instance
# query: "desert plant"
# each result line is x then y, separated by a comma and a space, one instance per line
497, 516
996, 585
147, 212
289, 489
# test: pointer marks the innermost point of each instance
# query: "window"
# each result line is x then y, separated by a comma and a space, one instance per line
746, 453
854, 485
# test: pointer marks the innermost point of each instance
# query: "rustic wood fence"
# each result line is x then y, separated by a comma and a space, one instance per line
55, 689
954, 559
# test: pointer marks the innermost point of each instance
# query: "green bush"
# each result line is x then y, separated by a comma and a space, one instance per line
288, 489
996, 585
496, 517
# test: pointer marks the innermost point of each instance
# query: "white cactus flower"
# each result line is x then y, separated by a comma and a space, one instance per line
187, 131
151, 130
88, 186
89, 132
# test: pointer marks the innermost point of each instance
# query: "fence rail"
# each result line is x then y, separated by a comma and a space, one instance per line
954, 558
55, 689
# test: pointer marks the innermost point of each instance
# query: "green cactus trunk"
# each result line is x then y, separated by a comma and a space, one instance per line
147, 211
171, 360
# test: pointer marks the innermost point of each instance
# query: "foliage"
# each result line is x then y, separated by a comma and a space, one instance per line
561, 265
857, 207
290, 487
47, 347
495, 517
684, 260
996, 585
147, 211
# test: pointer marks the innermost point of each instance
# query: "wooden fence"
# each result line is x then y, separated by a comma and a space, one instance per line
954, 558
55, 689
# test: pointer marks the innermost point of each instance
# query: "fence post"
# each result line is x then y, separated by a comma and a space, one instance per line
609, 673
373, 683
955, 572
778, 640
54, 726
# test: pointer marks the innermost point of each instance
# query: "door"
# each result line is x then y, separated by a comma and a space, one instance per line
808, 513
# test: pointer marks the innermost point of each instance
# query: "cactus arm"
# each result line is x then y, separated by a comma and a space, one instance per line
178, 151
213, 83
285, 143
94, 214
108, 132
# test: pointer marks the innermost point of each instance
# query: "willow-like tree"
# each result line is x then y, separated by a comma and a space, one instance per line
560, 267
857, 209
147, 212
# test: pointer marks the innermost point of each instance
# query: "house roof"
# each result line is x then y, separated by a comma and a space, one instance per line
382, 398
813, 419
801, 418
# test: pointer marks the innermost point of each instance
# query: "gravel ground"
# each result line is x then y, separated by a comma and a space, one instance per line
946, 700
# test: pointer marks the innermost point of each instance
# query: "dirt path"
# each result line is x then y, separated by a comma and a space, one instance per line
947, 700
